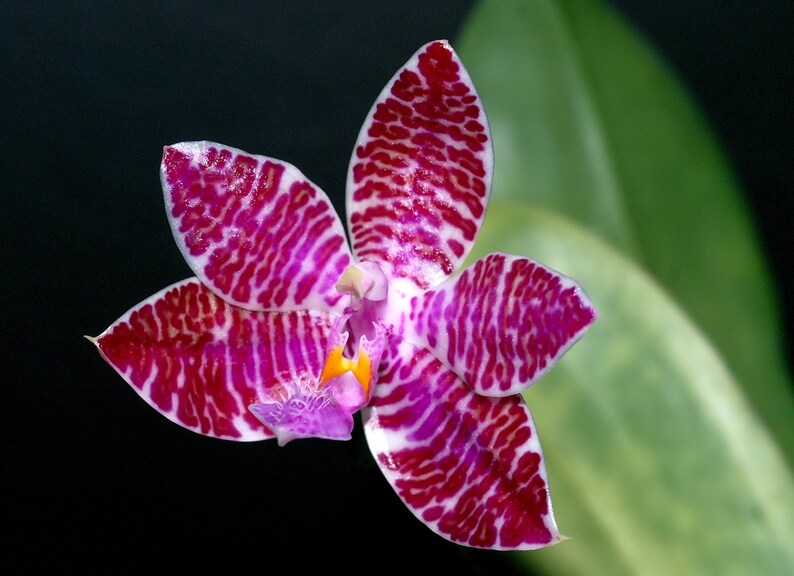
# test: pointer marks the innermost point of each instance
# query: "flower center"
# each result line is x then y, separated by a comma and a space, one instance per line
324, 408
367, 287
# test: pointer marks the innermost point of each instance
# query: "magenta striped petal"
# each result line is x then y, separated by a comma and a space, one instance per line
253, 229
470, 467
202, 363
421, 171
502, 323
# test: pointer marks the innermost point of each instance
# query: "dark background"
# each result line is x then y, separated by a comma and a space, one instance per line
90, 92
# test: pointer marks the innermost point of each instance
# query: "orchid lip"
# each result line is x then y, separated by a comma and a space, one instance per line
305, 413
337, 364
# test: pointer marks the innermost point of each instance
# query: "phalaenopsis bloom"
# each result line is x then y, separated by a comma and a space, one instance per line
287, 331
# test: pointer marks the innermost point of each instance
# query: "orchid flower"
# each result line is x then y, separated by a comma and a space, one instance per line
287, 331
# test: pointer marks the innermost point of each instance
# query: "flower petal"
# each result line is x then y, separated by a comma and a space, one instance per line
470, 467
253, 229
201, 362
421, 171
502, 323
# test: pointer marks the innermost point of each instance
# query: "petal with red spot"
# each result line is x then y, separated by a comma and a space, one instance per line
201, 362
502, 323
420, 175
470, 467
255, 230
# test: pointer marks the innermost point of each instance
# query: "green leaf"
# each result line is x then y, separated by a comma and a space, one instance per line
657, 463
588, 122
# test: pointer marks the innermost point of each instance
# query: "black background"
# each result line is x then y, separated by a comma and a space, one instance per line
90, 94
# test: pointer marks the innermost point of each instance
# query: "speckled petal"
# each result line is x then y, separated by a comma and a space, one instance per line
502, 323
468, 466
254, 229
421, 170
201, 362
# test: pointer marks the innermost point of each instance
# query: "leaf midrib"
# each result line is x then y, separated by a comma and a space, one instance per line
596, 138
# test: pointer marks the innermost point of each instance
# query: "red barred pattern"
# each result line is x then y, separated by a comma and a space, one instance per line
421, 172
502, 323
201, 362
468, 466
445, 423
254, 229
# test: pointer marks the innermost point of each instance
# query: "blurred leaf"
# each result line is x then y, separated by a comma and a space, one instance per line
589, 123
657, 463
